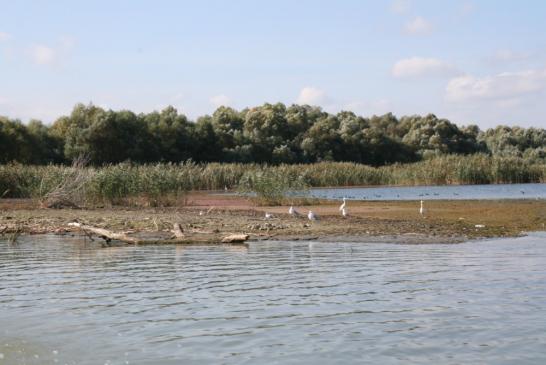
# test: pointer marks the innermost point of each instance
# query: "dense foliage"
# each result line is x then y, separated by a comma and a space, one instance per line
271, 133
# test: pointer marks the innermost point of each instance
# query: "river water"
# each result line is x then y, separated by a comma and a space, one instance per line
64, 301
446, 192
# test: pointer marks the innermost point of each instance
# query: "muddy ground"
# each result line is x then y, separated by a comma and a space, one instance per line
393, 221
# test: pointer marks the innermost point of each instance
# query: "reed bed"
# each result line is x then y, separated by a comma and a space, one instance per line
167, 184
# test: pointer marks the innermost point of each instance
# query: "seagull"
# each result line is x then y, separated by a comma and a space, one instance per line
342, 206
345, 212
293, 212
268, 215
422, 209
312, 216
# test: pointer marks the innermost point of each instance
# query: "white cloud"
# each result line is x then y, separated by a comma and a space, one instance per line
67, 42
418, 26
507, 55
220, 100
468, 7
312, 96
400, 6
505, 87
42, 54
422, 67
4, 36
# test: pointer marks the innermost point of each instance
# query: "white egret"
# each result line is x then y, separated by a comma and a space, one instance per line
422, 209
342, 206
345, 212
312, 216
293, 212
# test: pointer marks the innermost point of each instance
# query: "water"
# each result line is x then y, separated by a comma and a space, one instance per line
449, 192
66, 302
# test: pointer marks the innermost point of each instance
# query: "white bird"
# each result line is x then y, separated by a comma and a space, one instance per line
342, 206
422, 209
293, 212
312, 216
345, 212
201, 212
268, 215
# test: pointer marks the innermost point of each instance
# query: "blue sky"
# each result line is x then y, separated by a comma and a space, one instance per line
472, 61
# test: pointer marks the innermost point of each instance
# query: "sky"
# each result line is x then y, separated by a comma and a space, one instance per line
471, 61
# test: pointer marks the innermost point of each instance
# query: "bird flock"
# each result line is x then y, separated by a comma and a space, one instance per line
343, 209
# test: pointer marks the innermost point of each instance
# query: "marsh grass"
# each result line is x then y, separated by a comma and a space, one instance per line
168, 184
272, 187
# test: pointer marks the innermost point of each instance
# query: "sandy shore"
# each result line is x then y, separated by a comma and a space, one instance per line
399, 221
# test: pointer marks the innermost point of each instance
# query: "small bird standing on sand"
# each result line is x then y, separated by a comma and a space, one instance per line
422, 210
268, 215
345, 212
342, 206
312, 216
293, 212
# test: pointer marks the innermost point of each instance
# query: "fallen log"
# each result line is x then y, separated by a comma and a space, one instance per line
105, 234
235, 238
180, 237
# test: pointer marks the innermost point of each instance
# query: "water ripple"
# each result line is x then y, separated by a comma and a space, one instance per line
63, 301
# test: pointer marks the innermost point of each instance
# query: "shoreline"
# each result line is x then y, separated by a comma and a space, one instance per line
446, 221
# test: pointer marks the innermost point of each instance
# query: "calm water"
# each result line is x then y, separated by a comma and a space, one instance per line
451, 192
62, 301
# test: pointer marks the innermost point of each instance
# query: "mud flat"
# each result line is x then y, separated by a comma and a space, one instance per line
208, 217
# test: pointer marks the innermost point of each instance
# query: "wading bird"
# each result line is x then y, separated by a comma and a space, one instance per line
345, 212
342, 206
268, 215
422, 209
312, 216
293, 212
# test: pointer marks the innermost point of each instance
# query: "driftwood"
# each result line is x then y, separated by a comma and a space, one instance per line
235, 238
178, 231
179, 236
105, 234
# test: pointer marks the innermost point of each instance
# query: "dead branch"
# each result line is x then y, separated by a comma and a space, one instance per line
178, 231
180, 237
67, 192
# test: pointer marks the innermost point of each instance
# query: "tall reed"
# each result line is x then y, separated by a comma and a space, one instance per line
163, 184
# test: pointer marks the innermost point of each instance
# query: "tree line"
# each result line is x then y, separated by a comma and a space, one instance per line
270, 133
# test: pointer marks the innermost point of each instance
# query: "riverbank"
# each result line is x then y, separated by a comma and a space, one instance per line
394, 221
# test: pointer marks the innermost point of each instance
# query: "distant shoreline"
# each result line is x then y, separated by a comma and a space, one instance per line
368, 221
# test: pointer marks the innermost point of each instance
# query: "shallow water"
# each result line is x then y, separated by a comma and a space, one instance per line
68, 302
448, 192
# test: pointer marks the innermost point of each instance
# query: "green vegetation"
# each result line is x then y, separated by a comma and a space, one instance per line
271, 186
167, 184
156, 158
271, 134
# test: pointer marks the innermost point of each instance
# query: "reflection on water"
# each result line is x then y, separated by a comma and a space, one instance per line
63, 301
449, 192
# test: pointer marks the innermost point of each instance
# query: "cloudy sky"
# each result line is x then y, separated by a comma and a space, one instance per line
472, 61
